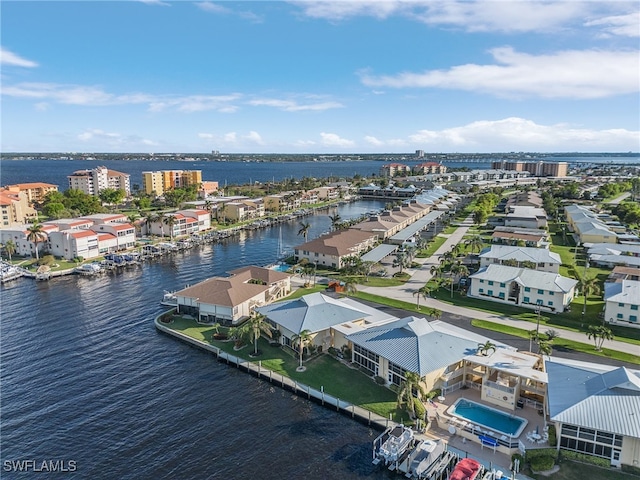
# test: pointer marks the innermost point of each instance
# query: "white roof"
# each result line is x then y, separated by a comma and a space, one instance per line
521, 254
627, 291
511, 362
526, 277
591, 398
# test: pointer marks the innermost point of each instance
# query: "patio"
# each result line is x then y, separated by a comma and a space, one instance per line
468, 434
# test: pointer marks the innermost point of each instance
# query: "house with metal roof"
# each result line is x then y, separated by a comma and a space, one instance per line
596, 409
551, 292
526, 217
540, 258
622, 303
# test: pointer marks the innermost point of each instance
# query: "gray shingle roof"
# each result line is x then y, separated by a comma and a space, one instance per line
552, 282
521, 254
607, 401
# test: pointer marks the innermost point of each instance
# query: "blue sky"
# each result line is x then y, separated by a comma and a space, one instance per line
320, 76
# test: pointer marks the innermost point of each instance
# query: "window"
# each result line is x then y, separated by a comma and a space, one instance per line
503, 285
526, 300
490, 282
550, 303
481, 281
621, 304
619, 316
481, 290
501, 294
540, 292
490, 293
633, 318
527, 289
634, 307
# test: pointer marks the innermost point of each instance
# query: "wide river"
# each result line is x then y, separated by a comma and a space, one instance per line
86, 377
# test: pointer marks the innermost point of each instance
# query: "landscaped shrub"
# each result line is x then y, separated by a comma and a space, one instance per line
553, 438
418, 408
434, 393
332, 351
631, 469
541, 452
346, 352
379, 380
581, 457
542, 463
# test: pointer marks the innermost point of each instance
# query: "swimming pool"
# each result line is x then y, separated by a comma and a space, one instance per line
281, 268
487, 417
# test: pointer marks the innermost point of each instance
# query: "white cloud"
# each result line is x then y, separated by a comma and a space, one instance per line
155, 2
518, 134
9, 58
292, 106
373, 141
232, 138
478, 15
196, 103
254, 137
105, 141
567, 74
623, 25
218, 9
333, 140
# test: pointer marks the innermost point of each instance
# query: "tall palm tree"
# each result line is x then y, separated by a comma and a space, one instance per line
221, 210
301, 339
335, 220
350, 287
436, 270
170, 221
474, 243
533, 336
10, 248
545, 348
401, 261
457, 270
484, 348
599, 334
160, 218
589, 286
421, 292
552, 335
259, 325
36, 235
240, 334
408, 386
304, 230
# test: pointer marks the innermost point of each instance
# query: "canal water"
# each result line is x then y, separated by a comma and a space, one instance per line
85, 377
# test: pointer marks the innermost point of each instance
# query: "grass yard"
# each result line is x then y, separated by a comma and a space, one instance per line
558, 343
570, 470
323, 370
435, 243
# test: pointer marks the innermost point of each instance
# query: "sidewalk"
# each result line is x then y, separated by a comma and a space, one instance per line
419, 277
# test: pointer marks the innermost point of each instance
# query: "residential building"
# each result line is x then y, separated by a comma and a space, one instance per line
15, 208
530, 257
390, 191
525, 236
622, 303
587, 227
429, 168
525, 199
231, 300
94, 181
526, 217
158, 182
621, 273
76, 243
35, 191
282, 202
390, 222
18, 234
595, 409
538, 168
207, 188
331, 249
394, 170
186, 222
610, 255
327, 193
522, 287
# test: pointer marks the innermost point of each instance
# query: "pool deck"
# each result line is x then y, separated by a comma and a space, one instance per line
442, 422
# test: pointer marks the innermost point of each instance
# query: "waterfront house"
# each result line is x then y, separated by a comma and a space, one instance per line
231, 300
327, 193
18, 234
15, 208
539, 258
522, 287
331, 249
595, 409
429, 168
74, 243
622, 303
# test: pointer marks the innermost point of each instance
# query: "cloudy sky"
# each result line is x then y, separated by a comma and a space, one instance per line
320, 76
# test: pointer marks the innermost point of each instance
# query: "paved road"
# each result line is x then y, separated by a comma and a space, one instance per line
619, 198
422, 275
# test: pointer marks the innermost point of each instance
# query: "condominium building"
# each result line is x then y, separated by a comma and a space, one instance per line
15, 208
158, 182
94, 181
395, 169
538, 169
35, 191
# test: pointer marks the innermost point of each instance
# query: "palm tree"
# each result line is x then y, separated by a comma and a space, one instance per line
350, 287
301, 339
170, 221
160, 217
589, 286
401, 261
435, 313
240, 334
552, 335
457, 270
484, 348
304, 230
421, 292
221, 210
36, 235
132, 217
335, 220
436, 270
475, 242
10, 248
259, 325
533, 336
410, 384
545, 348
599, 335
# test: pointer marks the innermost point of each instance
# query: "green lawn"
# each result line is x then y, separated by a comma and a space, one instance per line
325, 371
570, 470
435, 243
564, 344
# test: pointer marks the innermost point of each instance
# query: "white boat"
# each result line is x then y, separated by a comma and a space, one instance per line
9, 272
423, 456
395, 442
89, 269
169, 299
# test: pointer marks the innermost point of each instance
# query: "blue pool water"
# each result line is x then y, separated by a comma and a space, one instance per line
488, 417
281, 268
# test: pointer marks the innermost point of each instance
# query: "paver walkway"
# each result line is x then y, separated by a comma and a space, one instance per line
419, 277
